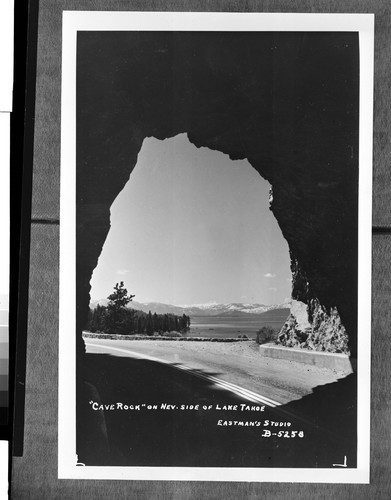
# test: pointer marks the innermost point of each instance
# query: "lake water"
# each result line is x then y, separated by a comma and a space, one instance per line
223, 326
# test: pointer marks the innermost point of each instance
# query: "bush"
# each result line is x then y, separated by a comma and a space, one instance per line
172, 334
266, 334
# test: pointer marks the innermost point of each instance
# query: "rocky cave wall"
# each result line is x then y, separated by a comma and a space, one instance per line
287, 102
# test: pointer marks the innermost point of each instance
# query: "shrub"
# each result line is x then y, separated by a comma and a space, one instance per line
172, 334
266, 334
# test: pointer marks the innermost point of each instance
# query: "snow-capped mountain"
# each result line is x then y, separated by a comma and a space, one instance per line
210, 309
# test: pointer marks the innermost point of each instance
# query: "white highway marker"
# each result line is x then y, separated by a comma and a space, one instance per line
235, 389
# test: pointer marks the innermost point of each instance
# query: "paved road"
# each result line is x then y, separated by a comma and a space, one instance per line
164, 405
279, 381
123, 349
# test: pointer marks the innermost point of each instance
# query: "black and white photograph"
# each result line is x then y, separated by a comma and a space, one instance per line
215, 244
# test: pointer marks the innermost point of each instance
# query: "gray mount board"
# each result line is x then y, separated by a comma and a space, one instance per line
35, 473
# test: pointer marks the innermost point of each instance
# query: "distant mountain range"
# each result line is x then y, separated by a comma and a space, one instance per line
232, 309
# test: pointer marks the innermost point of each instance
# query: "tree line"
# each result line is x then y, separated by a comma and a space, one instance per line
116, 317
131, 322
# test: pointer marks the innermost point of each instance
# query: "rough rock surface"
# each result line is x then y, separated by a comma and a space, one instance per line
313, 327
287, 102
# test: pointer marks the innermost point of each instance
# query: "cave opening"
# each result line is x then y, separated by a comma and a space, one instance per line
192, 231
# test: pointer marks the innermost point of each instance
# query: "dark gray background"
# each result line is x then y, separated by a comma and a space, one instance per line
35, 474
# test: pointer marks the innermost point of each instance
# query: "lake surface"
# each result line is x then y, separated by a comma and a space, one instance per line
225, 326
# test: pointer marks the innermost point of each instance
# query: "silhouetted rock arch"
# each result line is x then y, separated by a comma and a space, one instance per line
287, 102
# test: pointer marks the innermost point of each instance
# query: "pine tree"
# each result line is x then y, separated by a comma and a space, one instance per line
149, 324
118, 300
155, 323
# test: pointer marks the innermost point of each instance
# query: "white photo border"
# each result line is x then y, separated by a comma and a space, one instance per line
74, 21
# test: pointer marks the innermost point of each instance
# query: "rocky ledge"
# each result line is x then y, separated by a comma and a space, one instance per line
313, 327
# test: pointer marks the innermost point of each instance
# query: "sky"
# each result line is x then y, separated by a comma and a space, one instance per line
191, 227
